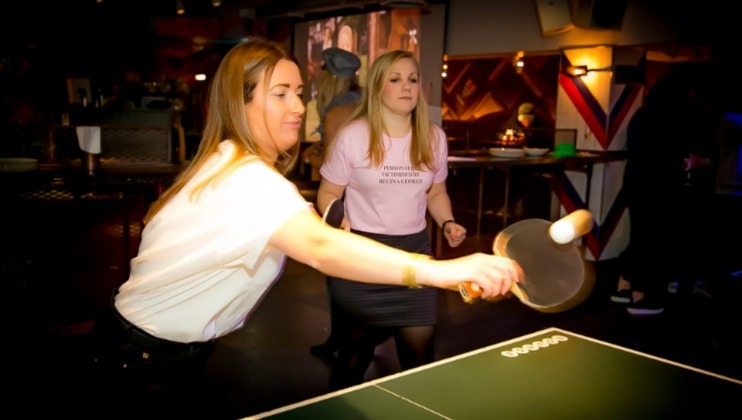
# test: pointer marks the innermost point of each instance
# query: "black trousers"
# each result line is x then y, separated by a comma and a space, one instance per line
140, 359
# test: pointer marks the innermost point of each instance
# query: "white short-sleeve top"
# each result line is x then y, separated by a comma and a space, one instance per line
204, 263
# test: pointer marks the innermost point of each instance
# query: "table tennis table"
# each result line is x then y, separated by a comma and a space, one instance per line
548, 374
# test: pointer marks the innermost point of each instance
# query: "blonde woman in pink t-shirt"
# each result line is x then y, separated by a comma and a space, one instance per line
390, 163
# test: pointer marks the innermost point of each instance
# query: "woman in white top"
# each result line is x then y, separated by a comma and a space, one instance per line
218, 237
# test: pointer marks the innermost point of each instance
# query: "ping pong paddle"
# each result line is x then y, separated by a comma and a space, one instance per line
334, 213
557, 277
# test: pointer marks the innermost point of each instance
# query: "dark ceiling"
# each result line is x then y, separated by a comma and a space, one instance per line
42, 42
248, 9
103, 24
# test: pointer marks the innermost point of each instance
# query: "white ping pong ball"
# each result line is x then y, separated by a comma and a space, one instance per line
562, 232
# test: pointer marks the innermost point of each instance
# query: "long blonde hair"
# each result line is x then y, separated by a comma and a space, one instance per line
369, 108
232, 87
332, 86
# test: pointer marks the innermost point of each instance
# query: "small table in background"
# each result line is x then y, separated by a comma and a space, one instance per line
48, 203
582, 161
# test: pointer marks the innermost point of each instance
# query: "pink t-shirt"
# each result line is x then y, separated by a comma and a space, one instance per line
390, 199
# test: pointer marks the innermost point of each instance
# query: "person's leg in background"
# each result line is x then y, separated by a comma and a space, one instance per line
622, 293
642, 285
356, 345
414, 345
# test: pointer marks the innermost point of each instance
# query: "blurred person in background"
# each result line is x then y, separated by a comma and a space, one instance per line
529, 126
339, 93
337, 96
666, 180
531, 123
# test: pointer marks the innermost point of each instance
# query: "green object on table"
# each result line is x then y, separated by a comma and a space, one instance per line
564, 150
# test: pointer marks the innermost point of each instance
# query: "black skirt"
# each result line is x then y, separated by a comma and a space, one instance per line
382, 305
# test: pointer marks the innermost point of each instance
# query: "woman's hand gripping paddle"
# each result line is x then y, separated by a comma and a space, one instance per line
557, 277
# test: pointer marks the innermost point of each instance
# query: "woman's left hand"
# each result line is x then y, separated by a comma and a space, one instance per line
345, 224
454, 233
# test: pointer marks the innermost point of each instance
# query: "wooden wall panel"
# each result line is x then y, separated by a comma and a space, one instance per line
485, 92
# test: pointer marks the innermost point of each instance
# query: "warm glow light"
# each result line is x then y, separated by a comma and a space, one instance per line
200, 77
179, 9
518, 62
576, 71
580, 71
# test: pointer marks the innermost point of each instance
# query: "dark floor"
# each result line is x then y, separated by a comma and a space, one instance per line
60, 279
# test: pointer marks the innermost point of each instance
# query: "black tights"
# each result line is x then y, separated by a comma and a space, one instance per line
357, 344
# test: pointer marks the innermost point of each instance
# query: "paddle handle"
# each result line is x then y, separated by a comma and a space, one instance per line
571, 226
469, 291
